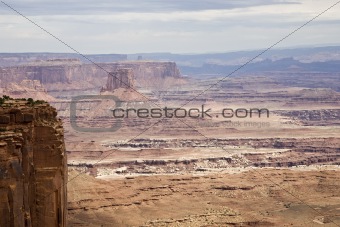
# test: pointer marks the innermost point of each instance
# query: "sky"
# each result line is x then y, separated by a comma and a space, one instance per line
176, 26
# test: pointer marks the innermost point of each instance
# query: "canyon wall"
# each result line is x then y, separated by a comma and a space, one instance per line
33, 167
72, 74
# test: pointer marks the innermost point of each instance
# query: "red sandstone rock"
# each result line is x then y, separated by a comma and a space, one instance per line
33, 167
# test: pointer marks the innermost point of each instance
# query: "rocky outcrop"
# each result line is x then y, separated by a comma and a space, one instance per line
33, 170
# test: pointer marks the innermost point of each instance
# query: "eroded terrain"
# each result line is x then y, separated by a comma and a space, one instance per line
280, 169
252, 197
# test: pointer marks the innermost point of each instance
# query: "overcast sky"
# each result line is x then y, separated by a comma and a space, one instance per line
177, 26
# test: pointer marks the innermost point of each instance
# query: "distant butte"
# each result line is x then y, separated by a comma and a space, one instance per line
121, 83
120, 78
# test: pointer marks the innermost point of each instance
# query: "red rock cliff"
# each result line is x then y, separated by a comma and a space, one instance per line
33, 170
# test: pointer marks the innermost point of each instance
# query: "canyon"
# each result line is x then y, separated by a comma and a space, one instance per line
276, 170
207, 172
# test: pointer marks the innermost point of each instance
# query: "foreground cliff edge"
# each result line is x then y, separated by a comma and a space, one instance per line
33, 166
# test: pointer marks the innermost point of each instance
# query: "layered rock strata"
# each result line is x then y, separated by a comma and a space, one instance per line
33, 167
74, 75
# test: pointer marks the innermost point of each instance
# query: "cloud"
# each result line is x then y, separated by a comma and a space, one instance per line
76, 7
131, 26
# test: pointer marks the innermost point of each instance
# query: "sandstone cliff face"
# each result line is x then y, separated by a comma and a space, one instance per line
65, 75
33, 171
